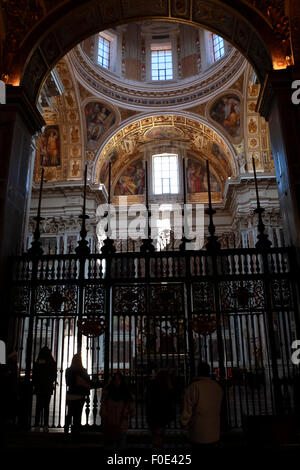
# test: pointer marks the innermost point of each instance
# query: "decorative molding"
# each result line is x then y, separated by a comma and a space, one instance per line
60, 225
179, 95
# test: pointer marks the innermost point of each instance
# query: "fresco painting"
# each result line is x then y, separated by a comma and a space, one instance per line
197, 179
164, 132
48, 147
226, 112
99, 118
217, 152
132, 180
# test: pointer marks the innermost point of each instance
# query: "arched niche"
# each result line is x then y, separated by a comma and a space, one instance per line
165, 133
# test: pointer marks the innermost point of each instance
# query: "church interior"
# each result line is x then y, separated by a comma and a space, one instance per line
149, 202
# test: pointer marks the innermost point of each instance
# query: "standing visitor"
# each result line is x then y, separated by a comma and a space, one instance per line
160, 407
43, 380
202, 408
116, 407
79, 384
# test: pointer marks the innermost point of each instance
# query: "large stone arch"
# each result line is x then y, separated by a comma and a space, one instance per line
48, 35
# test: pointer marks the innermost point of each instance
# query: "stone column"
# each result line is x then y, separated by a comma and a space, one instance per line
19, 121
275, 104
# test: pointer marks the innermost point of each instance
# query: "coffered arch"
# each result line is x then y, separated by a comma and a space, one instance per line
35, 46
182, 132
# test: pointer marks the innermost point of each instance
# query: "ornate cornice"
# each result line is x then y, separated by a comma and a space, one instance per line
178, 95
60, 225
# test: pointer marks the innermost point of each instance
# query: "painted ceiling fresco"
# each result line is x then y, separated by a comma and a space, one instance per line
226, 111
99, 118
128, 144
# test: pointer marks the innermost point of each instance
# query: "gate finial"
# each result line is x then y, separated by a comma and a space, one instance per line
212, 241
184, 240
147, 246
108, 244
83, 246
263, 242
36, 246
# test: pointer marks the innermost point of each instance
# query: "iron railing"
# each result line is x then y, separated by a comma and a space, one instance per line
237, 309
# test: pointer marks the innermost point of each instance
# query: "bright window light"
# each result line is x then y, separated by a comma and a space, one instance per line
165, 174
218, 47
161, 62
103, 52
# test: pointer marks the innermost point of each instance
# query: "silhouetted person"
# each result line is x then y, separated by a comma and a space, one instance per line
43, 380
78, 383
117, 406
202, 408
11, 388
160, 406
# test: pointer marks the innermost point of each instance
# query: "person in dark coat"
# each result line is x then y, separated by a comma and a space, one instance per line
12, 387
160, 406
117, 406
79, 384
43, 380
202, 409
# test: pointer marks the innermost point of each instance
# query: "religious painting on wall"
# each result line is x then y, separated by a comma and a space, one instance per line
99, 118
48, 147
49, 245
75, 168
72, 242
197, 179
132, 180
226, 112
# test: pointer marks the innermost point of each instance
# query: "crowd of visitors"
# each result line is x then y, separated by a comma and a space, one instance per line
200, 414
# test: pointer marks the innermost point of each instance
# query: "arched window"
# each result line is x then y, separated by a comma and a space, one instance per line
218, 47
104, 51
161, 62
165, 174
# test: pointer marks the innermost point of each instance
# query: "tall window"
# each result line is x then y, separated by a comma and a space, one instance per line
165, 174
103, 52
218, 47
161, 62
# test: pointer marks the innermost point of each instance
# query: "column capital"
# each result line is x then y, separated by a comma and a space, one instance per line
17, 101
276, 82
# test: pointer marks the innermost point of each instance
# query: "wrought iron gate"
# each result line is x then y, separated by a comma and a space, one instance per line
234, 308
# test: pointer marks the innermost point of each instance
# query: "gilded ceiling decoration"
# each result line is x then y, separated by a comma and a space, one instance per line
73, 20
198, 109
274, 12
128, 144
84, 93
127, 113
59, 149
257, 139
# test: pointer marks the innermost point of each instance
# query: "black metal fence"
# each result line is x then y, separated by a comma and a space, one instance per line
237, 309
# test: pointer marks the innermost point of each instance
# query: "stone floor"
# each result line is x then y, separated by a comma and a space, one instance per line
234, 447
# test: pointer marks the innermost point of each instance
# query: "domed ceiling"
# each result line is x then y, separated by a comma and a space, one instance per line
207, 111
195, 76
